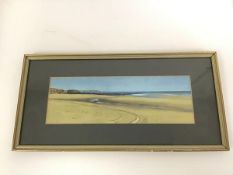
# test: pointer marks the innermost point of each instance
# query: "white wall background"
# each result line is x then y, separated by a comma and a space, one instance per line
98, 26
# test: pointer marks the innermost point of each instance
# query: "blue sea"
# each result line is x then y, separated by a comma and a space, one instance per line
160, 94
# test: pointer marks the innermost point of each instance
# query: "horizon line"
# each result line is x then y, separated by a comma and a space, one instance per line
117, 91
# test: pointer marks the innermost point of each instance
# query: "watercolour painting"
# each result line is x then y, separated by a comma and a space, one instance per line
120, 100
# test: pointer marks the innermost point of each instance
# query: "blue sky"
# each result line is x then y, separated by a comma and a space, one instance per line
123, 83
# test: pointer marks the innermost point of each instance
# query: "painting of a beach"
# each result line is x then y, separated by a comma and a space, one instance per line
120, 100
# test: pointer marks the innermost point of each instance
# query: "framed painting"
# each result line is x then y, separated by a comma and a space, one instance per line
121, 102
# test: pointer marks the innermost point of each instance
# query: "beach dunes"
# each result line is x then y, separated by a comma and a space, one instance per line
118, 109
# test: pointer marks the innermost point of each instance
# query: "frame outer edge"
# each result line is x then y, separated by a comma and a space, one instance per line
220, 102
21, 98
120, 55
145, 148
152, 148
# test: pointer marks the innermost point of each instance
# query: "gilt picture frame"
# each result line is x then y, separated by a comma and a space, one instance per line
120, 102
